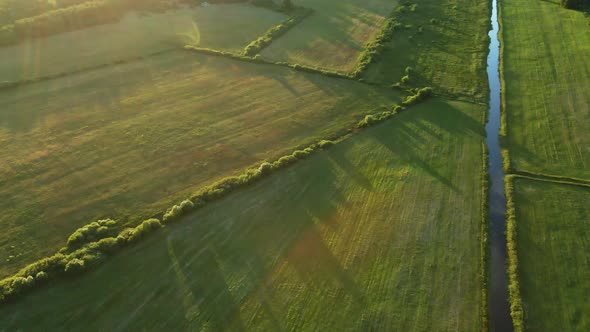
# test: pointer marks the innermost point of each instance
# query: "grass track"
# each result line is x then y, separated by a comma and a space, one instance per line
381, 231
448, 54
131, 140
227, 27
547, 75
334, 36
553, 241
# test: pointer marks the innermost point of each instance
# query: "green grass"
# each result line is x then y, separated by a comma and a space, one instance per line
553, 241
129, 141
227, 27
447, 54
547, 76
334, 35
380, 232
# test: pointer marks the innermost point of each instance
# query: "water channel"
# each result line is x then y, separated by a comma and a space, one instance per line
499, 308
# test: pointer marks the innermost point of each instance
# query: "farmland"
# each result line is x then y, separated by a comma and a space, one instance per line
441, 55
227, 27
547, 75
317, 195
381, 231
334, 36
553, 241
131, 139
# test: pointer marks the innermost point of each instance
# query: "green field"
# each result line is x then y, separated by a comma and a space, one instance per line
381, 232
334, 35
128, 141
553, 241
445, 42
227, 27
547, 75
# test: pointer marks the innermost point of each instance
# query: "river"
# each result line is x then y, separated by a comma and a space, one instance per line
499, 308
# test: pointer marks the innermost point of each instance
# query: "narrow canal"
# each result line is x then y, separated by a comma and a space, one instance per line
499, 307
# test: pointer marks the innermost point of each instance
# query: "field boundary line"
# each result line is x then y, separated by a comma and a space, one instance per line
73, 260
260, 60
552, 179
16, 84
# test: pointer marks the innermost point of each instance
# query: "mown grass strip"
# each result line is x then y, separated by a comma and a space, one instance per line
86, 247
516, 308
552, 179
256, 46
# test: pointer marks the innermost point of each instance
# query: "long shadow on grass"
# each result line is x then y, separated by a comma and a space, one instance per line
243, 248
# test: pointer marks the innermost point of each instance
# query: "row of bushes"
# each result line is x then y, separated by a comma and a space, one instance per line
259, 59
375, 47
516, 309
484, 249
275, 32
373, 119
90, 233
86, 247
63, 264
418, 96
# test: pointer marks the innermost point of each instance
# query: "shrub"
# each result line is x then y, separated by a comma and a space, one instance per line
420, 95
324, 144
75, 265
41, 276
146, 227
375, 47
91, 232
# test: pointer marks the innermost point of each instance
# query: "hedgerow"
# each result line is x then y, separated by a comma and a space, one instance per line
516, 309
275, 32
92, 232
87, 246
373, 119
418, 96
375, 47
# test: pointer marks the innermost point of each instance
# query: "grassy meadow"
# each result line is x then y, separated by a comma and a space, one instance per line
553, 241
380, 232
334, 35
227, 27
127, 141
547, 75
445, 42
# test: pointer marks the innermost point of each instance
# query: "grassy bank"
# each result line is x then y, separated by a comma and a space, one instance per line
133, 139
381, 231
553, 242
445, 43
334, 36
226, 27
547, 75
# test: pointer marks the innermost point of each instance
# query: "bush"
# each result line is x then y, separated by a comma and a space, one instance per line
375, 47
41, 276
75, 265
146, 227
420, 95
90, 233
